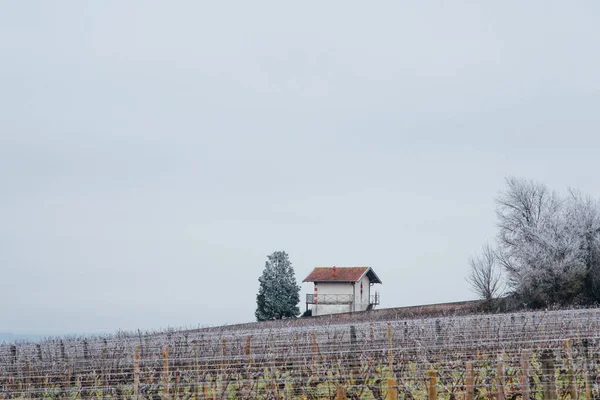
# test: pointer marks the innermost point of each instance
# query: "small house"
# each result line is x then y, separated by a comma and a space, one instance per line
342, 289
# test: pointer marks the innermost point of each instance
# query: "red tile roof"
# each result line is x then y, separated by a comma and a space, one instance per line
341, 274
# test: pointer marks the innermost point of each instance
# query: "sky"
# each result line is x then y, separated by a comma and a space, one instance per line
152, 154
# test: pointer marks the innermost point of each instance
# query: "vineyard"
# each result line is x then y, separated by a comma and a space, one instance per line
541, 355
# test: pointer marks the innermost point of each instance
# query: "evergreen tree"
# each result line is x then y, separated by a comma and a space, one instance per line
278, 294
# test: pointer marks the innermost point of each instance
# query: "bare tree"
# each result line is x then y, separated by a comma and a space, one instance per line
485, 276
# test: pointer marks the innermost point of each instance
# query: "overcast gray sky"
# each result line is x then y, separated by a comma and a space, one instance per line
153, 153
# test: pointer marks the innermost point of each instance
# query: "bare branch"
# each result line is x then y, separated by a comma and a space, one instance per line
485, 275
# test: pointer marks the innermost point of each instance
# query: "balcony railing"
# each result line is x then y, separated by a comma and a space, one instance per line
337, 299
374, 299
329, 298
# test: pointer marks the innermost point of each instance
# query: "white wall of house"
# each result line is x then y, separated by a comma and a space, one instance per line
361, 301
332, 288
326, 309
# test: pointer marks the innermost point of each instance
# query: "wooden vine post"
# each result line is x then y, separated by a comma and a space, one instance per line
136, 372
548, 375
248, 350
165, 371
470, 382
501, 379
392, 389
354, 358
353, 338
390, 348
586, 370
28, 376
341, 393
315, 348
223, 352
205, 391
432, 387
570, 371
524, 378
99, 383
199, 386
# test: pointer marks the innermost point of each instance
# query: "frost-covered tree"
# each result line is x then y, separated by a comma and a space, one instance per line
584, 214
539, 245
278, 294
548, 245
536, 247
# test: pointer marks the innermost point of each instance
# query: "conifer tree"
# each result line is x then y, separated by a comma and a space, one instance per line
278, 294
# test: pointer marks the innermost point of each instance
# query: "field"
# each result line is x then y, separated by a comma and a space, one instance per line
541, 355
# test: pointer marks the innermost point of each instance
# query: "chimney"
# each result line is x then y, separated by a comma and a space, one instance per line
334, 270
